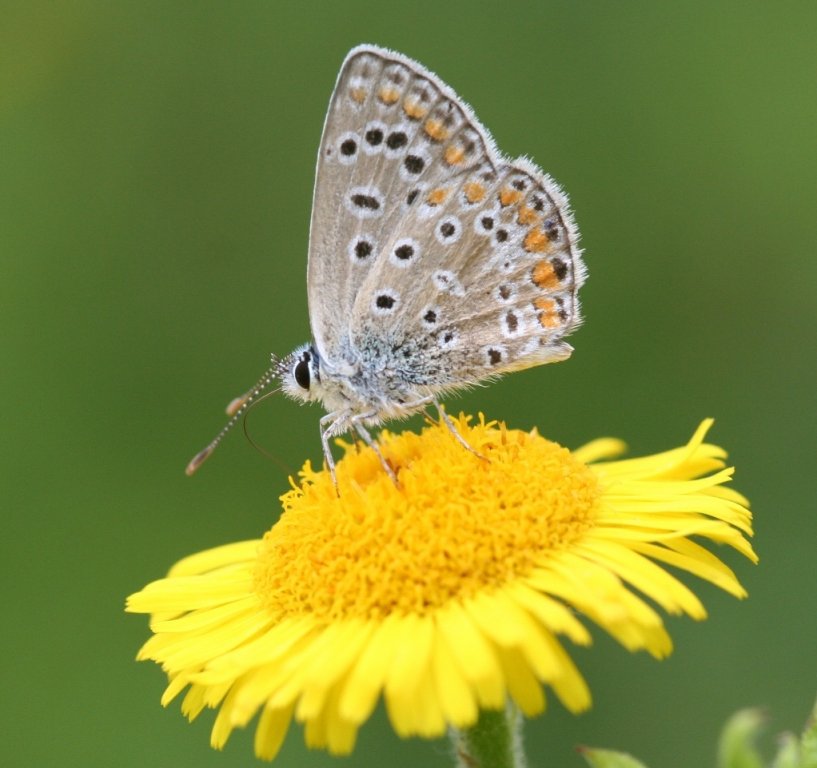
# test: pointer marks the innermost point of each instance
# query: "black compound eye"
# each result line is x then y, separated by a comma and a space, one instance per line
301, 373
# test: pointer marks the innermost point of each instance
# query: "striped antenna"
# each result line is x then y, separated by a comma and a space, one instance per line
235, 410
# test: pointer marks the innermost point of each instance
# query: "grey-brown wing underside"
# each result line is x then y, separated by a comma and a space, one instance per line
359, 197
440, 247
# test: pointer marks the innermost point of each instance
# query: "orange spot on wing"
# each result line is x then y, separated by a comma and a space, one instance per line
548, 316
474, 192
357, 95
509, 196
437, 196
544, 276
414, 110
528, 216
435, 130
536, 241
454, 155
388, 95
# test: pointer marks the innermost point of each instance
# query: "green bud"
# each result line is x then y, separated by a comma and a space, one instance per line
788, 753
736, 748
808, 744
605, 758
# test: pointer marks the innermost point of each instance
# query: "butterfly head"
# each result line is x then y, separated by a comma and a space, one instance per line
300, 373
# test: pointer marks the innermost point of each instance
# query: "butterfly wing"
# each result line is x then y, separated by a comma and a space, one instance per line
355, 203
475, 266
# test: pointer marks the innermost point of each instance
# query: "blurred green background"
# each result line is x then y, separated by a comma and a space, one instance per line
156, 168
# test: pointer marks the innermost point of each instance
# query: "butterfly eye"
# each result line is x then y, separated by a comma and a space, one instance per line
301, 373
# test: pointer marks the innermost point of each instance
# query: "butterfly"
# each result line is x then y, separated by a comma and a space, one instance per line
435, 262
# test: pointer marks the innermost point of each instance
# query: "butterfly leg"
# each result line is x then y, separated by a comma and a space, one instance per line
454, 431
328, 426
367, 438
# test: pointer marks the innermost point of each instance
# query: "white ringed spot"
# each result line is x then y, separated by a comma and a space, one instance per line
506, 293
448, 338
364, 202
385, 302
513, 324
430, 316
396, 141
486, 221
374, 137
448, 230
415, 161
348, 145
405, 252
494, 355
361, 249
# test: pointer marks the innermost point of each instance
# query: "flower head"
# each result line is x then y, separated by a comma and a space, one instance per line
445, 594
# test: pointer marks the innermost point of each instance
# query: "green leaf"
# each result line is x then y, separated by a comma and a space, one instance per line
605, 758
736, 748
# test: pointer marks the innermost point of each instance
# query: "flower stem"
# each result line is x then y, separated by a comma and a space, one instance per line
495, 741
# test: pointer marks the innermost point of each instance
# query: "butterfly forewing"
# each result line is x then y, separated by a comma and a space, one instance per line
362, 186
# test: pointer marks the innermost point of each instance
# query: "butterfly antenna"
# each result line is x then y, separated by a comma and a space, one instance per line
235, 410
265, 453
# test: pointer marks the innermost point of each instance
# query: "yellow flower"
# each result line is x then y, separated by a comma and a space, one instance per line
445, 594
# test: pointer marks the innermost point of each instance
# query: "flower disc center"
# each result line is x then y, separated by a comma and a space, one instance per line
456, 525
